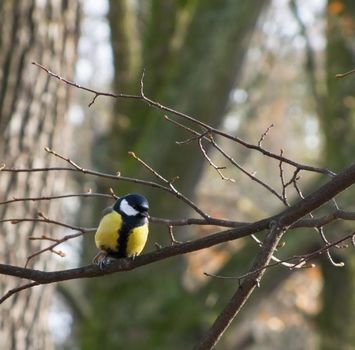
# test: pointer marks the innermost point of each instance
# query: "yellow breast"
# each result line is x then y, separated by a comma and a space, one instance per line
136, 240
106, 237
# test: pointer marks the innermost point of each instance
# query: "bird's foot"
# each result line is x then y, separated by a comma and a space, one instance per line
104, 262
98, 257
134, 256
101, 259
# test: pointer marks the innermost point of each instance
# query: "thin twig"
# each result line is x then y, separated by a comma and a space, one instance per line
87, 172
95, 92
291, 266
171, 186
313, 222
46, 220
283, 184
276, 259
302, 259
324, 249
52, 246
75, 167
245, 289
16, 221
18, 289
295, 177
42, 238
210, 162
171, 234
159, 106
48, 198
343, 75
329, 256
263, 151
227, 156
263, 135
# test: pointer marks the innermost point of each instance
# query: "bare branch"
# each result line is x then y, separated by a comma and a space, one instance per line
194, 221
171, 234
301, 259
325, 220
240, 141
159, 106
95, 92
87, 172
171, 186
48, 198
18, 289
51, 247
245, 289
210, 162
42, 238
330, 258
274, 258
283, 184
250, 175
43, 219
343, 75
226, 155
285, 219
75, 167
263, 135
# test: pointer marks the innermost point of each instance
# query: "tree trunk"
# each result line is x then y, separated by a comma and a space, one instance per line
337, 318
32, 116
192, 52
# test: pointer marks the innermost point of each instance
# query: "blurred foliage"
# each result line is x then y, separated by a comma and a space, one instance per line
337, 319
193, 52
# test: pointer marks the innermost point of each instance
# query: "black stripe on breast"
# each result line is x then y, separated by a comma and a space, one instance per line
123, 241
123, 234
127, 226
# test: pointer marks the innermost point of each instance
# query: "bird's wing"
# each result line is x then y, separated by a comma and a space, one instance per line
107, 233
107, 210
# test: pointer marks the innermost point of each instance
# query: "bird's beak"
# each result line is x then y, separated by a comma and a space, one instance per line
144, 214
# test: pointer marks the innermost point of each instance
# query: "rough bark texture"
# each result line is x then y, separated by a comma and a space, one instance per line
32, 116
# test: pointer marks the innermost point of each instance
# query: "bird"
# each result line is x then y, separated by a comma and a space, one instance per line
123, 230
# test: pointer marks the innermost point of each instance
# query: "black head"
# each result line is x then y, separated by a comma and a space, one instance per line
132, 205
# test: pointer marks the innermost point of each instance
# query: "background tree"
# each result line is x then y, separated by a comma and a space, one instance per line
32, 113
192, 52
329, 101
337, 320
199, 300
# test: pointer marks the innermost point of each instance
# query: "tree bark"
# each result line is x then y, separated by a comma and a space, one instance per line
32, 116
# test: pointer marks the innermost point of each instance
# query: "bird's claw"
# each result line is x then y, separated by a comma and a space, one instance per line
101, 259
104, 262
133, 256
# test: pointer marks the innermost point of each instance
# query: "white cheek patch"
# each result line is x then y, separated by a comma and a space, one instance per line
127, 209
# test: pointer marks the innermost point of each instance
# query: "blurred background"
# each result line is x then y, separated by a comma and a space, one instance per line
241, 66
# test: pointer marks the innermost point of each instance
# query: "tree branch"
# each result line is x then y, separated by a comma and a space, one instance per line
142, 97
285, 219
277, 226
245, 289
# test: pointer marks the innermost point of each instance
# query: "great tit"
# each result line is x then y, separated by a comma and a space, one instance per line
123, 230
